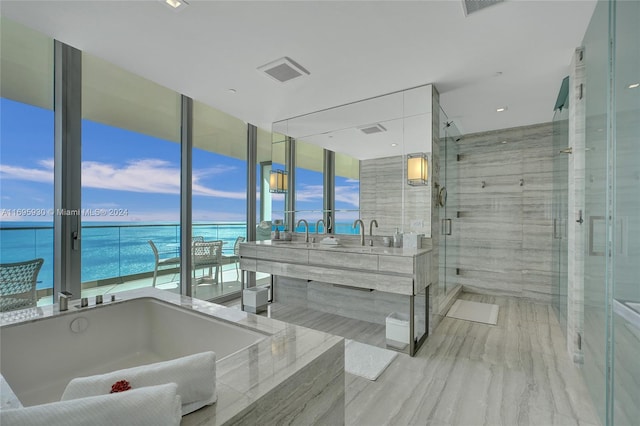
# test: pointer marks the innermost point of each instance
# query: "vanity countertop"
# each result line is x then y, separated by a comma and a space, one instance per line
394, 270
346, 248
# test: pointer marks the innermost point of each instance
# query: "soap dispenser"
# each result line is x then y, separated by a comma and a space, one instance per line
397, 239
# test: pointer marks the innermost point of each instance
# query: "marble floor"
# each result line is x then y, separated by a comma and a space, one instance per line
517, 372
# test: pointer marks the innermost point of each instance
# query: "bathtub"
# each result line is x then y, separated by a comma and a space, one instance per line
40, 357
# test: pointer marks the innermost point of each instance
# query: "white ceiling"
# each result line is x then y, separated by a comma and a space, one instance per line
514, 54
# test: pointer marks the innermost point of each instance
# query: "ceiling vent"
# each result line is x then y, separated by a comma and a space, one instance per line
372, 128
472, 6
283, 69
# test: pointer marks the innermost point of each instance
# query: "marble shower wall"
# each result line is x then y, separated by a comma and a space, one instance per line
504, 220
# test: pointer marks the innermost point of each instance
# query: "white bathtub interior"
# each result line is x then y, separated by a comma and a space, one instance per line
39, 358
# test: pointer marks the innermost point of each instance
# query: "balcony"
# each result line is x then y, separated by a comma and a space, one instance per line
118, 257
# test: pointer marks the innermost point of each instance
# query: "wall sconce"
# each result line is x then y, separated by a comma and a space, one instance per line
278, 181
417, 169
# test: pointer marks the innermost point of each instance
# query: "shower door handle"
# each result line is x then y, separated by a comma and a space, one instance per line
446, 226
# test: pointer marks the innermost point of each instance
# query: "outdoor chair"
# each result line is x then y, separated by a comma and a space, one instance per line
235, 257
169, 261
18, 284
208, 254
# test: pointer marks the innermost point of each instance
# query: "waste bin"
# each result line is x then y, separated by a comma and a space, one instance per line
397, 330
255, 299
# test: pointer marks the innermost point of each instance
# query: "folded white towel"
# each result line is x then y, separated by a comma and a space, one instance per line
149, 406
195, 376
330, 241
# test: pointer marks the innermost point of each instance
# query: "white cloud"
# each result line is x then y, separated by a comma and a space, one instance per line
348, 194
42, 174
309, 193
345, 194
146, 175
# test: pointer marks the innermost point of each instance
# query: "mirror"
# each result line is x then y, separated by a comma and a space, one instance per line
371, 139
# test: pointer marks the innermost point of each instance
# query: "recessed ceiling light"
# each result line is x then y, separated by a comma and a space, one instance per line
634, 86
176, 5
394, 144
233, 91
501, 109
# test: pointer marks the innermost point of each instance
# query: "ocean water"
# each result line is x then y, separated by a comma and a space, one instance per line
108, 249
111, 249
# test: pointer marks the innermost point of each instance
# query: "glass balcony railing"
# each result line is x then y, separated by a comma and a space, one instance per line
109, 252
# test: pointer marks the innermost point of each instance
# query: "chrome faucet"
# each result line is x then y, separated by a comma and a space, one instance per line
355, 223
64, 297
306, 229
371, 226
323, 224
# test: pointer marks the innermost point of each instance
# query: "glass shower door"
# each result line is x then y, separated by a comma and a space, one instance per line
447, 200
611, 340
560, 204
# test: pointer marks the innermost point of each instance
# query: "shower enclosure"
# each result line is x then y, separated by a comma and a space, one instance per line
611, 341
560, 202
446, 197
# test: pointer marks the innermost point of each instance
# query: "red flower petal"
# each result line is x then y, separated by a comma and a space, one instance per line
120, 386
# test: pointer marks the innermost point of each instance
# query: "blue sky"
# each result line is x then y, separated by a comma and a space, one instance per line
126, 170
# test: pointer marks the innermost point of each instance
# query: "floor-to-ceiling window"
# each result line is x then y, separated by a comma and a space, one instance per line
130, 180
278, 183
309, 185
347, 193
26, 152
219, 209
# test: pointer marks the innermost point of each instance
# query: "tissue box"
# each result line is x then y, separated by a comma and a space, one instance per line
412, 241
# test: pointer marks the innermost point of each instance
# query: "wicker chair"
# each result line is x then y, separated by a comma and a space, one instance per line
235, 257
208, 254
18, 284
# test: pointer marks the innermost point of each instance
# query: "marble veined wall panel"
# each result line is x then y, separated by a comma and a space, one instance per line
504, 223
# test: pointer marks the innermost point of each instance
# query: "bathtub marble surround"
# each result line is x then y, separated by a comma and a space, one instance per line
293, 375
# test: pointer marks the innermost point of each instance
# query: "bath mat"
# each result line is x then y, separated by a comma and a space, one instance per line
365, 360
474, 311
